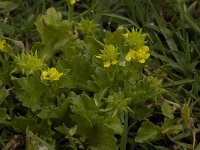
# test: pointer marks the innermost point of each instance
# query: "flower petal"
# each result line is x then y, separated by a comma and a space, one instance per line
141, 61
128, 56
107, 64
114, 62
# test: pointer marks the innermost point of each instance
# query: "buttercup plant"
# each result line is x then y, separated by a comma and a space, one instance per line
109, 55
4, 46
95, 100
138, 50
29, 63
87, 27
72, 2
135, 38
139, 55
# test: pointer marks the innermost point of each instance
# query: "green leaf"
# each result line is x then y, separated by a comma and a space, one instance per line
114, 124
64, 130
185, 113
6, 6
98, 97
44, 129
55, 112
86, 111
198, 147
3, 115
101, 78
172, 126
141, 112
5, 71
124, 136
21, 124
33, 142
3, 93
82, 104
119, 17
141, 91
81, 71
167, 109
103, 140
192, 22
6, 28
47, 23
53, 30
92, 46
148, 132
31, 92
116, 38
98, 134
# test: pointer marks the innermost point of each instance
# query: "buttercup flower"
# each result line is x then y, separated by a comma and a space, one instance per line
3, 45
109, 55
139, 55
72, 2
51, 74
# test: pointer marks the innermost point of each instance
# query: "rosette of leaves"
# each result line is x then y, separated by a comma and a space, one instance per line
135, 38
87, 27
29, 63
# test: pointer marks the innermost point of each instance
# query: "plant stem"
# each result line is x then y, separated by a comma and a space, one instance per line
70, 11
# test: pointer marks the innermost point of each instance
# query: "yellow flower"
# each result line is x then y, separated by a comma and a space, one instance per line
135, 38
51, 74
2, 45
72, 2
139, 55
109, 55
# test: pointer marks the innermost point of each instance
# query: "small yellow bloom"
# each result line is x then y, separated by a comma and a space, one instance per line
129, 55
109, 55
135, 38
2, 45
72, 2
51, 74
139, 55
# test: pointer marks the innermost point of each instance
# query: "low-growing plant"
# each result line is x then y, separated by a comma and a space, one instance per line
81, 87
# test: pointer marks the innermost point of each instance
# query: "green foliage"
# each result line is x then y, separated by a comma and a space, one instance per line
167, 110
98, 129
29, 63
148, 132
135, 38
28, 92
87, 27
4, 116
172, 126
5, 70
79, 75
84, 87
3, 93
185, 113
33, 142
55, 112
55, 34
